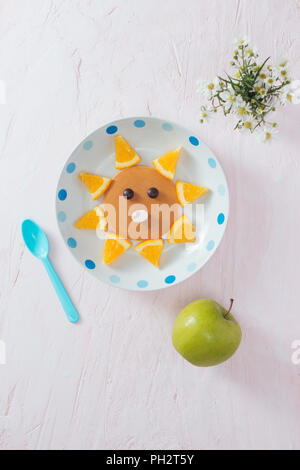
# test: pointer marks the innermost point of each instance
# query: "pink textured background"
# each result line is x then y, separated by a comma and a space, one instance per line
114, 381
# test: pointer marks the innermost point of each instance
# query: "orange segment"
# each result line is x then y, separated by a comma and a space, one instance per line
182, 231
114, 247
151, 250
126, 156
166, 165
95, 184
92, 220
187, 193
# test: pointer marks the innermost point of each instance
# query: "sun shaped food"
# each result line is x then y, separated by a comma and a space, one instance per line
141, 204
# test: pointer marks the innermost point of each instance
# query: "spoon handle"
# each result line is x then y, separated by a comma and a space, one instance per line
65, 300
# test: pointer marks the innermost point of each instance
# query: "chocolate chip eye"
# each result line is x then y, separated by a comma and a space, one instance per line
153, 193
128, 193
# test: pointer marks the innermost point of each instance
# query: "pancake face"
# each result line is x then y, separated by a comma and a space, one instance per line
126, 216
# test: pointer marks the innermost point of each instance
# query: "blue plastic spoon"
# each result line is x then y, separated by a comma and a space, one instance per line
37, 243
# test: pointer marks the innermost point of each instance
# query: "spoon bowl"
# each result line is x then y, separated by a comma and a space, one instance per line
35, 239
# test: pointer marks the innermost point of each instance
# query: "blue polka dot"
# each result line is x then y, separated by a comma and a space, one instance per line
167, 127
111, 130
191, 267
114, 279
221, 219
88, 145
139, 123
142, 284
71, 168
62, 195
72, 242
221, 190
212, 162
90, 264
170, 279
62, 216
194, 141
210, 246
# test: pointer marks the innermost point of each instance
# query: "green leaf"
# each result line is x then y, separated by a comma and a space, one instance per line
261, 67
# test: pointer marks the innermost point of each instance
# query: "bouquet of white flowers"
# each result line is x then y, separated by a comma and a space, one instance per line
251, 92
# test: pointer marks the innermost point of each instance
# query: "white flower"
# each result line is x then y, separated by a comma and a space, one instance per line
237, 74
266, 135
283, 63
229, 97
241, 108
286, 96
262, 92
283, 74
212, 87
280, 73
290, 94
208, 88
258, 86
205, 115
295, 86
249, 124
269, 81
241, 41
200, 85
263, 75
251, 51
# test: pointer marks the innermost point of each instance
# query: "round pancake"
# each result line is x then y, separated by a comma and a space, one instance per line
162, 211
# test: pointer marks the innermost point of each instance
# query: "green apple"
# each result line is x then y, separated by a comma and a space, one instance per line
206, 334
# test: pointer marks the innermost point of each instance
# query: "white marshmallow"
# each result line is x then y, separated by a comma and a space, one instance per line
139, 216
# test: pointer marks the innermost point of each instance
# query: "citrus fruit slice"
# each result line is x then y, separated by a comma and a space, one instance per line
151, 250
126, 156
182, 231
187, 192
114, 247
94, 219
166, 165
95, 184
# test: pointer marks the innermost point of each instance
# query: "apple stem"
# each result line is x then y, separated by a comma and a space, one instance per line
230, 308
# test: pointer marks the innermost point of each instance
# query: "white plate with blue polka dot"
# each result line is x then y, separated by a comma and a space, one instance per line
151, 138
